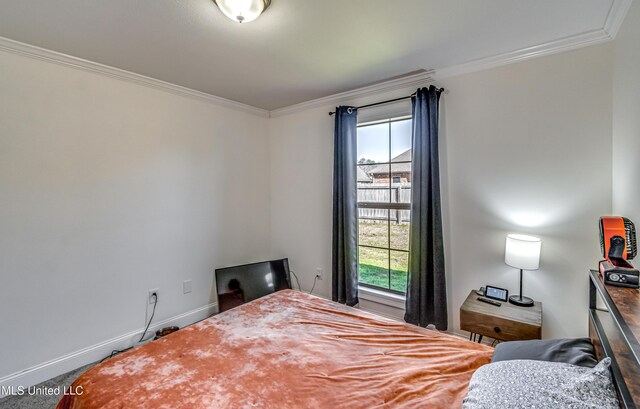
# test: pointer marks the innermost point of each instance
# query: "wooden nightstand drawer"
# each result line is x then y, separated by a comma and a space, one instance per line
506, 322
497, 327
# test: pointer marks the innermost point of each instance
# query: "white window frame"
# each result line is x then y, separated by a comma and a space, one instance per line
378, 294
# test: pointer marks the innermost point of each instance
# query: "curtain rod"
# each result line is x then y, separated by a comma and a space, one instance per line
387, 101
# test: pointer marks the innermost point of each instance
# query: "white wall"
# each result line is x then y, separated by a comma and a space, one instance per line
301, 151
109, 189
626, 118
528, 150
524, 148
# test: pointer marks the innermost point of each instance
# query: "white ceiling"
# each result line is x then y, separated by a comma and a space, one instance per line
298, 50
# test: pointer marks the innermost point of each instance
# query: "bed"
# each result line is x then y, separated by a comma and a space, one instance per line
293, 350
287, 350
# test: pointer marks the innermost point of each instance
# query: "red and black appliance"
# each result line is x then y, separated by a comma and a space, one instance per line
618, 245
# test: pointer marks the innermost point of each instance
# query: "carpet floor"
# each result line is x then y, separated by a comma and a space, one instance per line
38, 401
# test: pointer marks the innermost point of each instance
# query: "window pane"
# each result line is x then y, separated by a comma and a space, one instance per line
373, 143
373, 228
374, 266
405, 216
404, 193
399, 233
381, 175
401, 140
387, 184
377, 191
399, 268
401, 175
363, 173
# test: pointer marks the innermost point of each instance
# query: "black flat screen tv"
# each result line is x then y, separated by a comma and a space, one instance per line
240, 284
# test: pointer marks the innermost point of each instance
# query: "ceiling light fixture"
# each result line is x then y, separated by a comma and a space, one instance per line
242, 11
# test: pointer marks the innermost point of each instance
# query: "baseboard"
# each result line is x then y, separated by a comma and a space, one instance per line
47, 370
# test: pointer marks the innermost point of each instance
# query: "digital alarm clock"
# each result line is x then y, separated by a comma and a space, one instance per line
496, 293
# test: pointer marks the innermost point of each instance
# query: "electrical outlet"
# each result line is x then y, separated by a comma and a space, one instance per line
153, 294
319, 273
186, 286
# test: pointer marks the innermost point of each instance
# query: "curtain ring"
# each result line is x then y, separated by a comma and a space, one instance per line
350, 110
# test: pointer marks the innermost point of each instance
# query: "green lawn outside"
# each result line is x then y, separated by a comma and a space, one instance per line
374, 276
374, 233
375, 265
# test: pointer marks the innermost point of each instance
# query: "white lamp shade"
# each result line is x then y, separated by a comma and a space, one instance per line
522, 251
242, 11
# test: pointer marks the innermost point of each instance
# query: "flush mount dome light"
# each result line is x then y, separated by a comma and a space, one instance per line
242, 11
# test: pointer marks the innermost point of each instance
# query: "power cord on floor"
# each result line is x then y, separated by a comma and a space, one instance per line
115, 352
119, 351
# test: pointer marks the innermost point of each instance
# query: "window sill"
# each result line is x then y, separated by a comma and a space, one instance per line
381, 297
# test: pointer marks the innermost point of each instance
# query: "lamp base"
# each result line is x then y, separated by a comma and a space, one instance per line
521, 301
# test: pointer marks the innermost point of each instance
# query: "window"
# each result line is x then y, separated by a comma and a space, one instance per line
384, 196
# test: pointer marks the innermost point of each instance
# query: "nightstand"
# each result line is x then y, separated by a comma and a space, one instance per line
507, 322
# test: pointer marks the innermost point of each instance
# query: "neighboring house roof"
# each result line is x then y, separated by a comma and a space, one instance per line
362, 176
395, 168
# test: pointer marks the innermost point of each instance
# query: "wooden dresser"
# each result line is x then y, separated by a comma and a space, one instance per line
614, 328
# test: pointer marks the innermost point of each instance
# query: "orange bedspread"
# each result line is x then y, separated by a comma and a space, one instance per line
287, 350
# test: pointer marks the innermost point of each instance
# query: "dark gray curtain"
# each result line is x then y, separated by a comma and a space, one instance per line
426, 287
345, 210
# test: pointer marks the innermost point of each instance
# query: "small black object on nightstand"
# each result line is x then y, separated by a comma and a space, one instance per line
488, 301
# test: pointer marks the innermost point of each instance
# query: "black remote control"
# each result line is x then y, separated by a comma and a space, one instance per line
488, 301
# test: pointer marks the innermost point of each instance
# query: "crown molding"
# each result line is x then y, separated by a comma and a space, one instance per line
415, 80
552, 47
612, 24
616, 16
42, 54
608, 32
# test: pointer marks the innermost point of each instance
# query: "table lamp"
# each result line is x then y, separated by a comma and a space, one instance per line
522, 252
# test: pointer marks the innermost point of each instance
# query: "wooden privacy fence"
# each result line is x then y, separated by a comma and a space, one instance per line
398, 193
